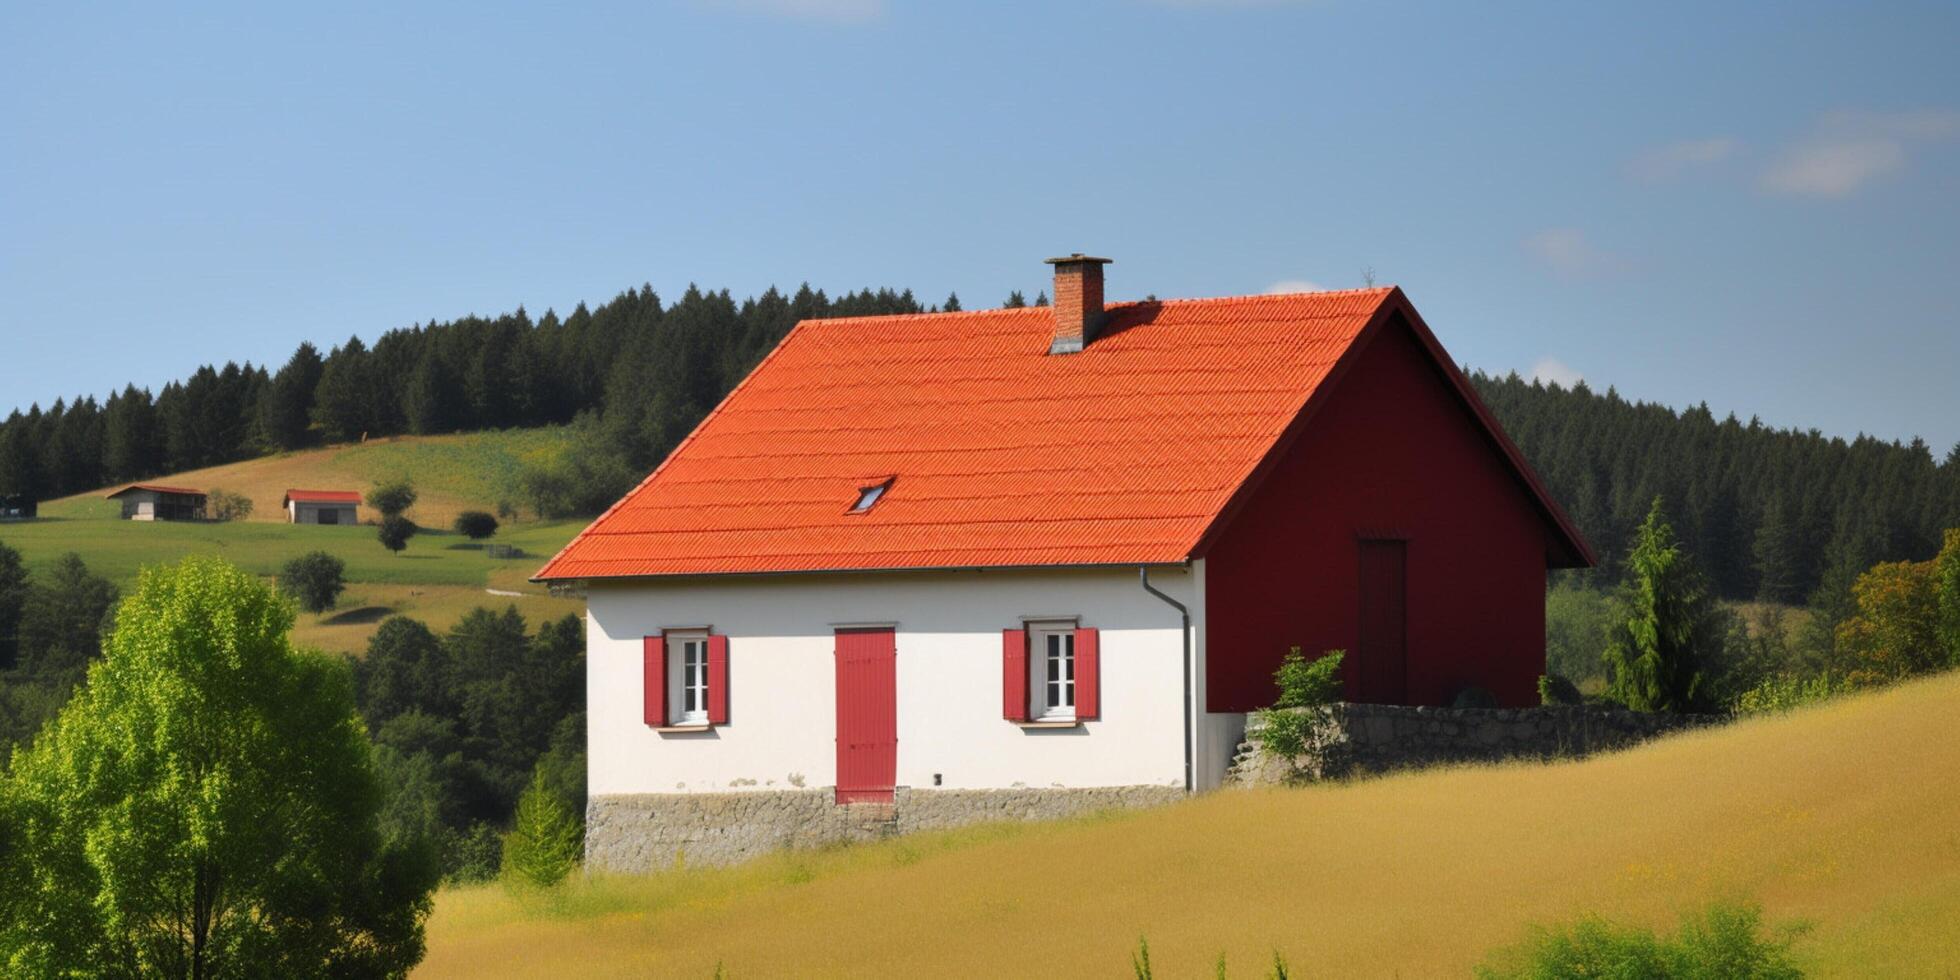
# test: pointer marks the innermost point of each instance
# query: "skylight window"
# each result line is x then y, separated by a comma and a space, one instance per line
869, 496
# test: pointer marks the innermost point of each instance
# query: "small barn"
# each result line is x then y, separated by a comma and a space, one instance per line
322, 506
1021, 562
151, 502
17, 507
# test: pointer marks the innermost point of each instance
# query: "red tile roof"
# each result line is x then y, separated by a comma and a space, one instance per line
324, 496
154, 488
999, 454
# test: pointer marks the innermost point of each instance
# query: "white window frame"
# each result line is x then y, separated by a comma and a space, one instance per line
1042, 704
679, 682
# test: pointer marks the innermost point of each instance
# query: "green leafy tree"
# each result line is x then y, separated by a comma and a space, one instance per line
476, 525
1670, 628
543, 847
314, 580
206, 806
1895, 632
394, 532
406, 668
1947, 584
392, 498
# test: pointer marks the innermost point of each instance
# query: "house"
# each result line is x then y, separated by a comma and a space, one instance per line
322, 506
17, 507
151, 502
1023, 562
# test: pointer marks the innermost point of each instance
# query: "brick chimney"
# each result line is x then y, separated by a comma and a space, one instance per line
1078, 301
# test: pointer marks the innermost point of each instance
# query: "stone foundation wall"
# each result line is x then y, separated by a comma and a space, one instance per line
1357, 739
654, 831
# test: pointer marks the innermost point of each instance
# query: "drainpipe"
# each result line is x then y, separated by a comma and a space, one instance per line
1143, 575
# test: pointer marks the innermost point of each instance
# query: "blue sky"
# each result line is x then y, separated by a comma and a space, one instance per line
1753, 204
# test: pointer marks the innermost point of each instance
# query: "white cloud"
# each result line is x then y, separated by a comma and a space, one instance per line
1569, 251
833, 10
1295, 286
1850, 148
1551, 370
1675, 159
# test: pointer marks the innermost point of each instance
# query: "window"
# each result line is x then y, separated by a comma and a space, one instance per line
687, 665
685, 678
1052, 666
1051, 673
869, 496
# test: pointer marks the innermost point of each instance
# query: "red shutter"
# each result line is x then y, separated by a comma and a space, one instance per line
653, 666
717, 679
1014, 674
1088, 675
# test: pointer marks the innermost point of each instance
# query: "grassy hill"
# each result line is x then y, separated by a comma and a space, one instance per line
439, 578
1841, 816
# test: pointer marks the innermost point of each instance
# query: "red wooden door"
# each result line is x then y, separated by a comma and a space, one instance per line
1384, 652
867, 715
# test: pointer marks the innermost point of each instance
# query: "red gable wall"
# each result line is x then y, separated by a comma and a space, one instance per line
1392, 452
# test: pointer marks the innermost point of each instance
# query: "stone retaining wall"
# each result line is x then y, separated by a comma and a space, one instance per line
1357, 739
648, 832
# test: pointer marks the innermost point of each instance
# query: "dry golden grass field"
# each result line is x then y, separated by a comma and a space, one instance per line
1845, 817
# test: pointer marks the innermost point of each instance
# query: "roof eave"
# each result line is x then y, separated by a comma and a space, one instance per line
543, 579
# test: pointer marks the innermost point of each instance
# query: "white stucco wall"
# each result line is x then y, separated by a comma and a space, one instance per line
1218, 734
309, 513
782, 694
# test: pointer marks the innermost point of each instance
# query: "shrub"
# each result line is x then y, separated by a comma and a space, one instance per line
314, 580
223, 505
1783, 692
476, 525
544, 845
394, 532
1302, 684
392, 498
1308, 684
474, 854
1724, 942
1557, 689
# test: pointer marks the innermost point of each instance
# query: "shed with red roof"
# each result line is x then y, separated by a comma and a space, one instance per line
322, 506
1029, 560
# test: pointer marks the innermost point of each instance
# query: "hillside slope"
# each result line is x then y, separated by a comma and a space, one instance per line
452, 473
1841, 816
438, 579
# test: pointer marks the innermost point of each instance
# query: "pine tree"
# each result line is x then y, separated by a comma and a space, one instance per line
1776, 554
341, 402
1041, 298
1015, 301
288, 404
953, 306
1671, 632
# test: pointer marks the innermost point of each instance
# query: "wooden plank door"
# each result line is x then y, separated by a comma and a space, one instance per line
867, 715
1384, 622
